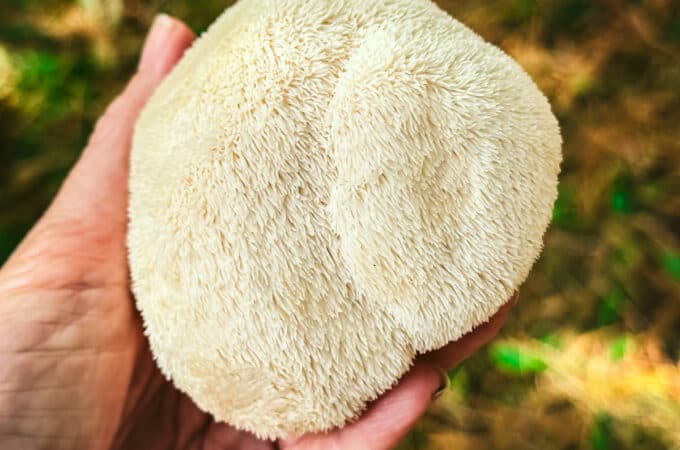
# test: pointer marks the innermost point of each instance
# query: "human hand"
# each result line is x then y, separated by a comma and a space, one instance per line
75, 369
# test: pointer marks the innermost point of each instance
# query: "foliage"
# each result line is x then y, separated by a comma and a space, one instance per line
589, 358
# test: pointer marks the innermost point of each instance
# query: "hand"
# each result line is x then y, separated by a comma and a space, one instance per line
75, 368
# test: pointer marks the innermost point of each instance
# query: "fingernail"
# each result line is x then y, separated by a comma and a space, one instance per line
444, 383
157, 41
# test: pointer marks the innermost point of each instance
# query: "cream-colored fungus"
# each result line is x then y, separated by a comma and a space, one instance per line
323, 189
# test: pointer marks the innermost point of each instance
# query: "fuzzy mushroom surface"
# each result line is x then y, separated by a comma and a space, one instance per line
323, 189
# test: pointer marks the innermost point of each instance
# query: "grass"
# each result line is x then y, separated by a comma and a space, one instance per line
589, 358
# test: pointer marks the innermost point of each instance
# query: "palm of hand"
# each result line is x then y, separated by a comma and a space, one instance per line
82, 353
76, 369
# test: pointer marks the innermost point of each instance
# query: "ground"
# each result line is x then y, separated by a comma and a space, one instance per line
589, 358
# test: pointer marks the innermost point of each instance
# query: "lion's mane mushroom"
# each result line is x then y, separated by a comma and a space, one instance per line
323, 189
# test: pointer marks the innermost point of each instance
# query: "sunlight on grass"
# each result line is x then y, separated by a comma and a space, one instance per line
589, 357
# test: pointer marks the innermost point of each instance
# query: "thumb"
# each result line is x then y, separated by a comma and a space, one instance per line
97, 185
88, 217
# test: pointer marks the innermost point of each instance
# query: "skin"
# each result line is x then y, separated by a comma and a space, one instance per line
76, 371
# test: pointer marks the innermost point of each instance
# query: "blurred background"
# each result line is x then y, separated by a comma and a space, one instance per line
589, 358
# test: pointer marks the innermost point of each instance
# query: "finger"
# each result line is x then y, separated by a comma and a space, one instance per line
98, 181
386, 421
456, 352
389, 419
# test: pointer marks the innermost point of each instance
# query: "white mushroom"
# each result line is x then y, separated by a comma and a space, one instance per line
323, 189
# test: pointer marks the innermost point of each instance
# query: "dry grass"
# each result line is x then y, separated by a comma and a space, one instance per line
589, 357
